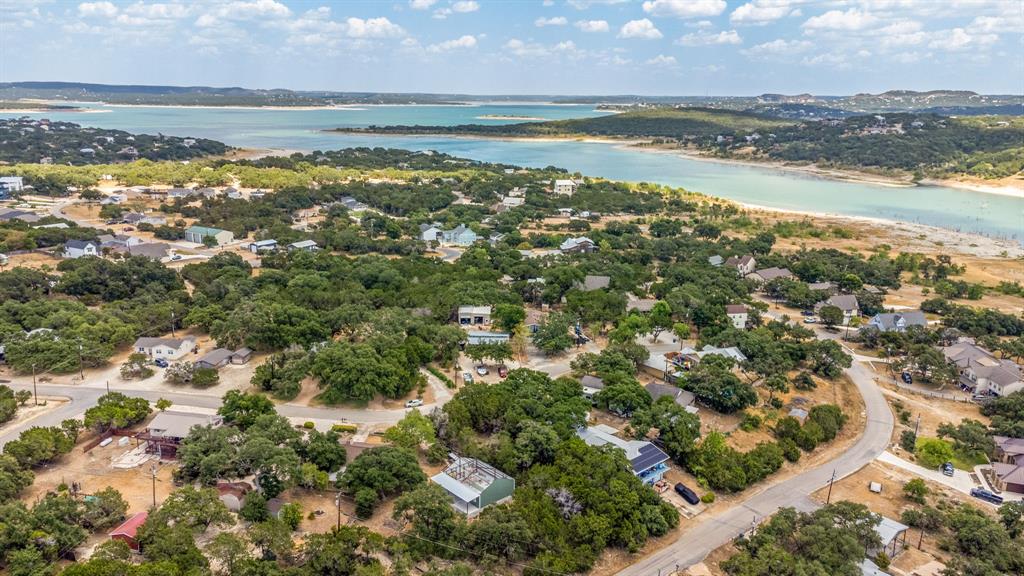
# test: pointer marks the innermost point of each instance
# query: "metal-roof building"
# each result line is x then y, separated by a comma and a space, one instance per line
474, 485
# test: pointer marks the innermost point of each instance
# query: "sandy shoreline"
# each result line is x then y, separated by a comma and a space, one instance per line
809, 170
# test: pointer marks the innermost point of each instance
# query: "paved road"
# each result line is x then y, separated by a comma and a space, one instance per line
708, 533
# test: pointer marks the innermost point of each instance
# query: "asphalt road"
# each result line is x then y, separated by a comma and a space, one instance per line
705, 534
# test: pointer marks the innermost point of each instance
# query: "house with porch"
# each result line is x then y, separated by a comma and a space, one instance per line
1008, 464
647, 460
743, 265
898, 321
166, 431
981, 373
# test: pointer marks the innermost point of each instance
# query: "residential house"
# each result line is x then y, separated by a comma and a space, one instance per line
112, 241
566, 187
181, 192
591, 385
461, 235
678, 395
690, 357
766, 275
198, 234
591, 283
263, 246
845, 302
154, 250
12, 184
898, 321
165, 432
1008, 466
642, 305
737, 314
214, 358
306, 245
166, 348
581, 245
981, 373
430, 232
81, 248
743, 265
474, 315
662, 366
475, 337
128, 530
829, 288
474, 485
647, 460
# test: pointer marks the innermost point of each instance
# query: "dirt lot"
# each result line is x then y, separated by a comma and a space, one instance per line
94, 471
34, 260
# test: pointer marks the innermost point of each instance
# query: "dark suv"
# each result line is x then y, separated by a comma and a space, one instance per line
687, 494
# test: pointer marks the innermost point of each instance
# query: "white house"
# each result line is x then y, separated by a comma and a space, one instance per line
743, 264
430, 232
12, 183
474, 315
166, 348
307, 245
981, 372
567, 187
898, 321
263, 246
845, 302
80, 248
737, 314
461, 235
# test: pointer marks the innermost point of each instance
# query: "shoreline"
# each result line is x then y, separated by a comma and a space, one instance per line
642, 145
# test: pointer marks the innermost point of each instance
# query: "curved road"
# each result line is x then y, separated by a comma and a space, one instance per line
705, 535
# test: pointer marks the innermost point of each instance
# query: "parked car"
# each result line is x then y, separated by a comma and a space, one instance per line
414, 403
176, 257
161, 362
986, 496
947, 469
482, 370
807, 312
687, 494
503, 371
467, 377
906, 377
810, 320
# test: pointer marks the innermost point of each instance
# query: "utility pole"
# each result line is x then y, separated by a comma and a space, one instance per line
81, 372
828, 500
152, 469
337, 502
35, 394
172, 324
108, 386
917, 426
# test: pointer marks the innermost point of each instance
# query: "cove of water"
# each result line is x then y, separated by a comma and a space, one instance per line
302, 130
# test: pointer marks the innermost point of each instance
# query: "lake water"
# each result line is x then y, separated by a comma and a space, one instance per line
302, 130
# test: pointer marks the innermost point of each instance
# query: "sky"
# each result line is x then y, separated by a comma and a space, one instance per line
648, 47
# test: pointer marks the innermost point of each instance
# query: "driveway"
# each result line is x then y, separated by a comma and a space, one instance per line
961, 481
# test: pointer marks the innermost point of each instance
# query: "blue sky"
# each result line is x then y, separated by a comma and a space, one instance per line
672, 47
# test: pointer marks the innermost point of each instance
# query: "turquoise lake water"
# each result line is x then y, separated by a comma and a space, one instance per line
302, 130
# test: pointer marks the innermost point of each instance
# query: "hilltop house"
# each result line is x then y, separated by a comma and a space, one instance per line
198, 234
679, 396
581, 245
981, 373
166, 348
474, 485
647, 460
474, 315
1008, 467
565, 187
766, 275
898, 321
80, 248
743, 265
737, 314
461, 235
845, 302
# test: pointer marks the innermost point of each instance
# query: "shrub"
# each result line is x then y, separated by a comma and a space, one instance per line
441, 376
750, 422
915, 490
308, 425
342, 428
708, 497
908, 441
933, 452
254, 509
789, 449
366, 500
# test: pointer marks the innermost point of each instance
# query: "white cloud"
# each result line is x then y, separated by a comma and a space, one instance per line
762, 11
159, 11
464, 6
960, 39
584, 4
662, 60
777, 48
710, 38
97, 9
850, 20
522, 49
421, 4
640, 29
372, 28
466, 41
1012, 22
592, 25
242, 10
554, 21
684, 8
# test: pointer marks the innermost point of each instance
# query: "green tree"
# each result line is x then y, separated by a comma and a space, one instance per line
508, 316
242, 409
552, 335
195, 508
678, 430
933, 452
291, 515
831, 316
163, 404
106, 509
433, 520
916, 490
115, 410
383, 471
412, 432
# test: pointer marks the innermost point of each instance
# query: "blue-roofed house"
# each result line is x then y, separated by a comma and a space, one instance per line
648, 462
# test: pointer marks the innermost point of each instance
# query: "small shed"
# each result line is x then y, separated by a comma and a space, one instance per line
241, 356
127, 532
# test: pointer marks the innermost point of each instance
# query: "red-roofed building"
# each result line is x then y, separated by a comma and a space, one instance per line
128, 530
